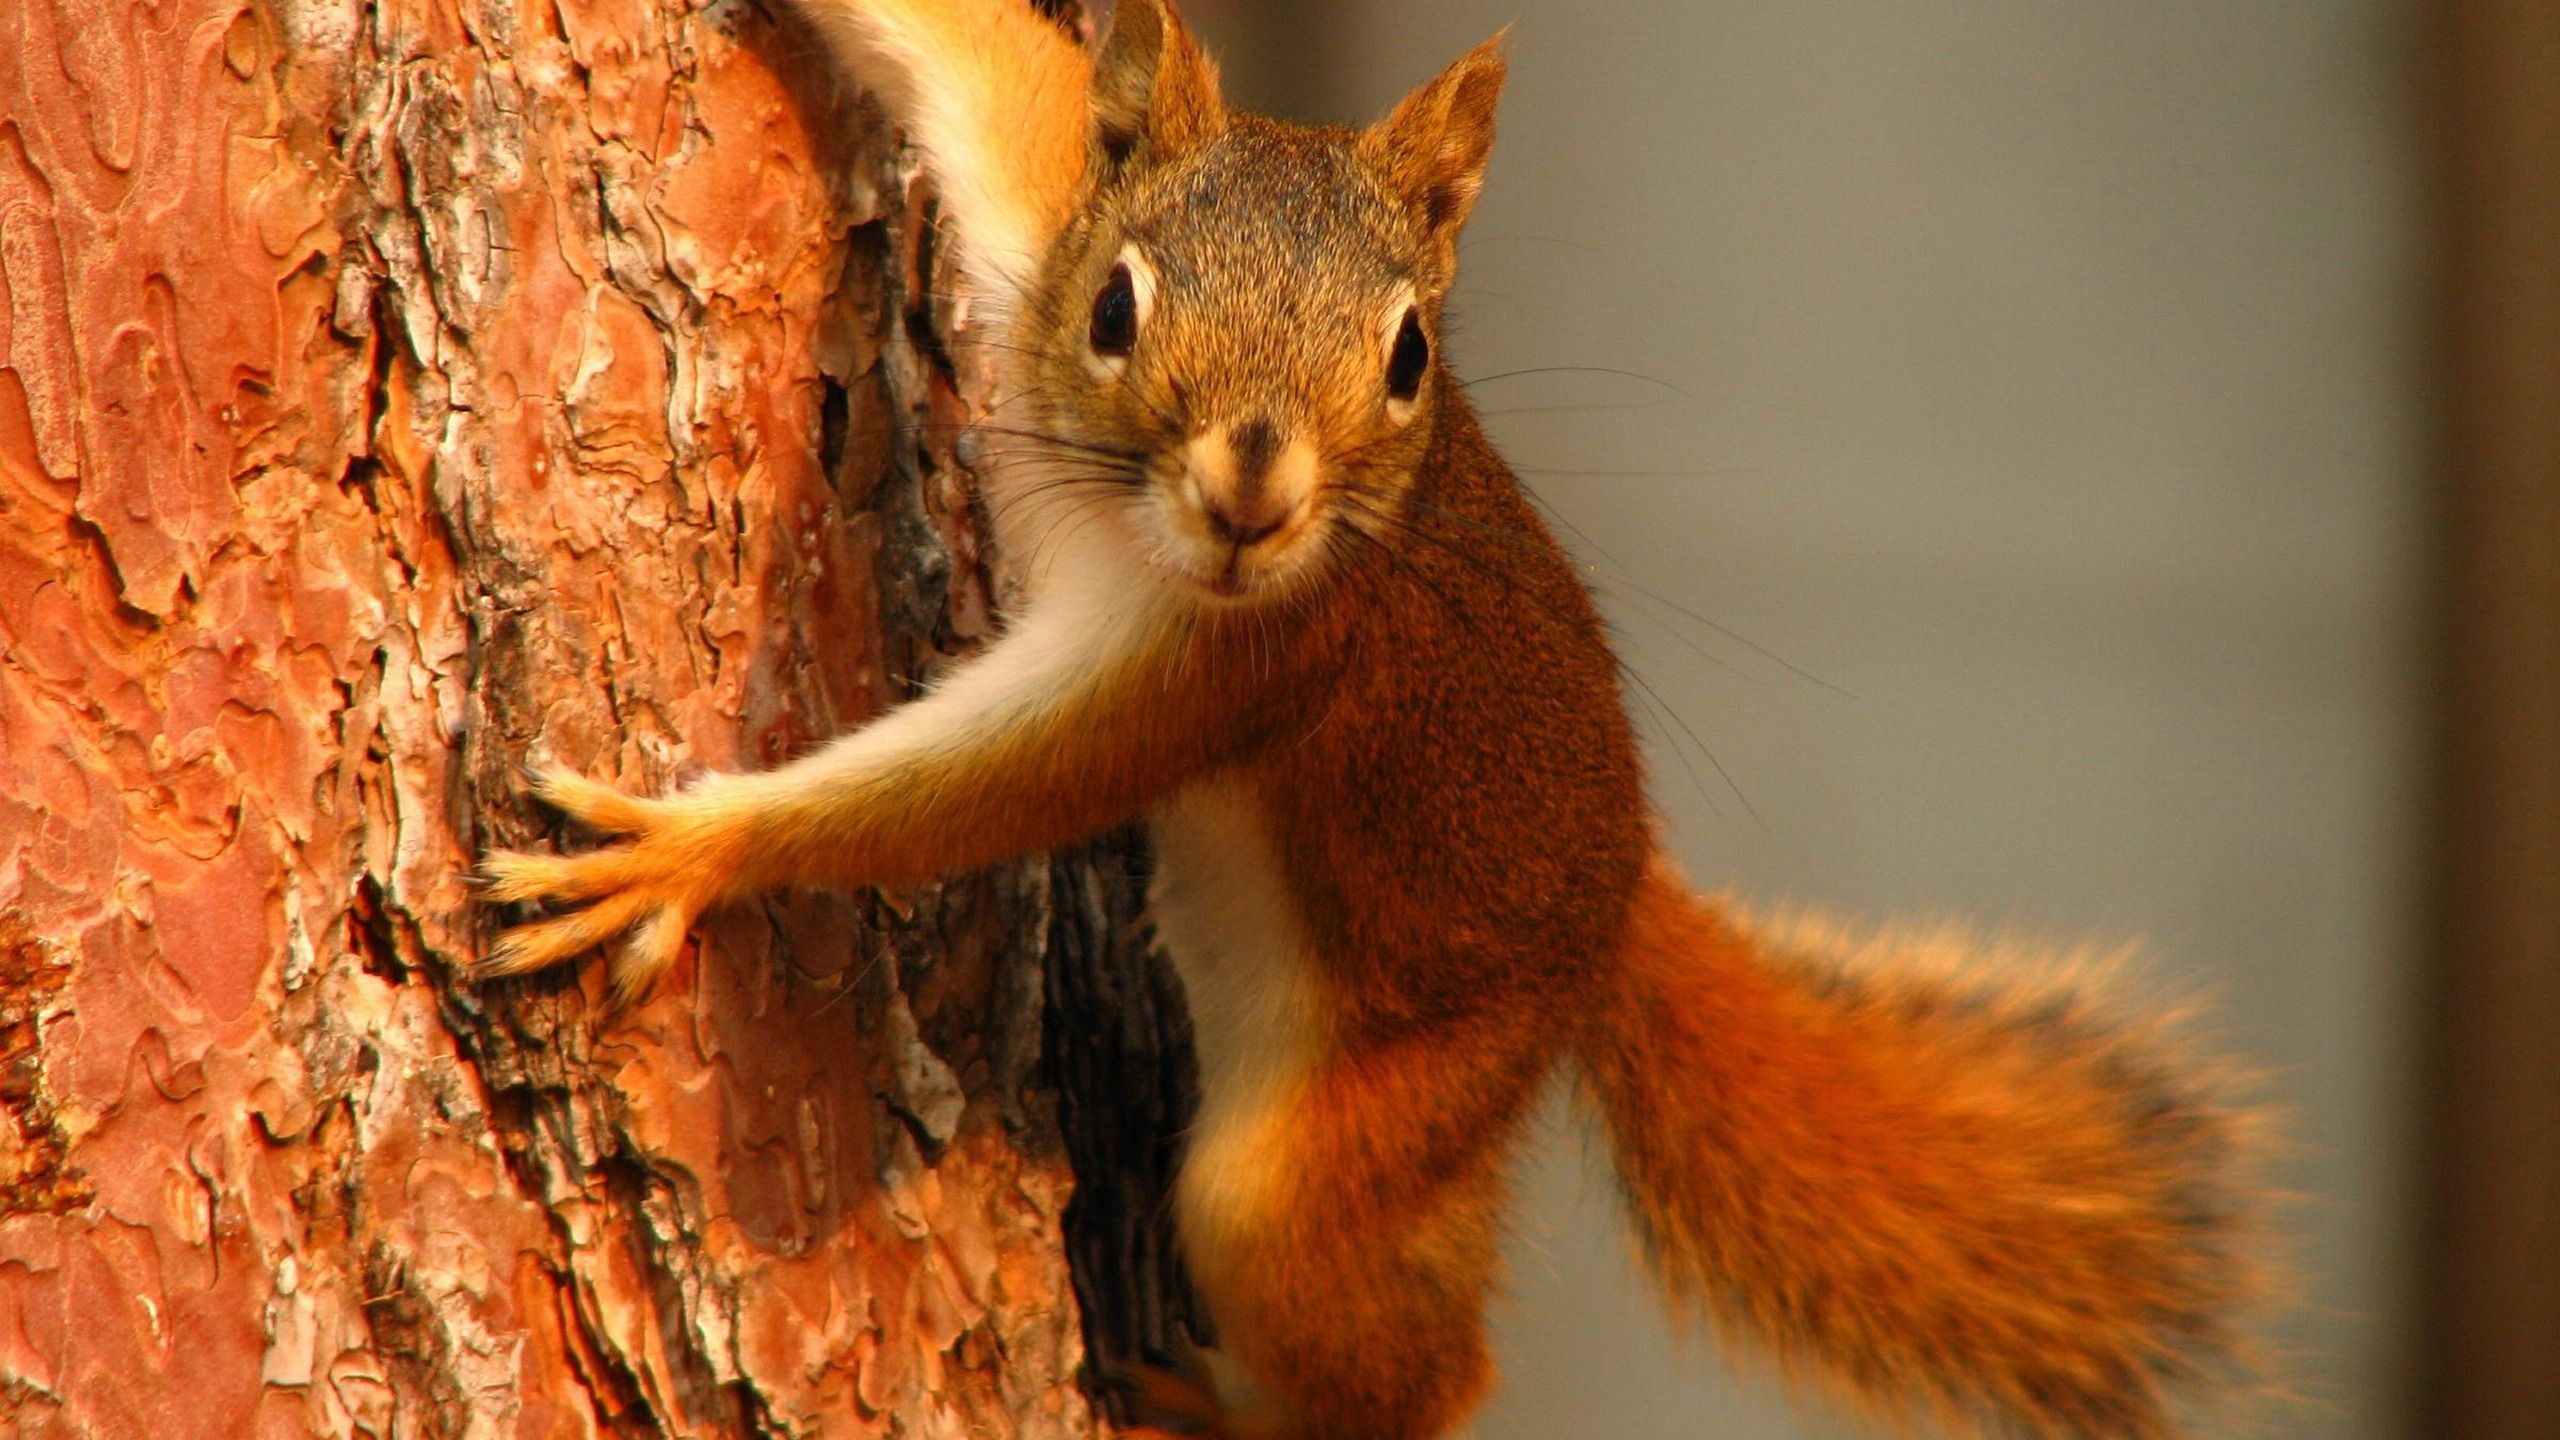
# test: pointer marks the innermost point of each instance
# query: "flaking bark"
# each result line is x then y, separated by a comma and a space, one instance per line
393, 392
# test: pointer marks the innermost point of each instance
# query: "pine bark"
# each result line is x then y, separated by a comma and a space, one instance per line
392, 393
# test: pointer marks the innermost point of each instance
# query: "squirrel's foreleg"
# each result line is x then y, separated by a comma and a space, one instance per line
1074, 722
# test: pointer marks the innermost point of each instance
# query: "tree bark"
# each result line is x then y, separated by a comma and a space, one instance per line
394, 392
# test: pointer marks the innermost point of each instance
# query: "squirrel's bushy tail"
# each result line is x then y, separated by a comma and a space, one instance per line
1939, 1192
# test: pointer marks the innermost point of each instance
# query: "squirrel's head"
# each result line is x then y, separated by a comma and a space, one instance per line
1239, 332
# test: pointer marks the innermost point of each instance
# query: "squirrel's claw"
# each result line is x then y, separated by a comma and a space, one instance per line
636, 888
657, 928
591, 803
544, 943
513, 876
650, 952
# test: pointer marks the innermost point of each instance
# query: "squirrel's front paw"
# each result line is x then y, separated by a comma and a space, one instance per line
652, 885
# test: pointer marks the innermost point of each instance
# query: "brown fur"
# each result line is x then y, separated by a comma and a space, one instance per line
1961, 1195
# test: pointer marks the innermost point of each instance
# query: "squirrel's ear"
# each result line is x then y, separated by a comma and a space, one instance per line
1434, 146
1153, 86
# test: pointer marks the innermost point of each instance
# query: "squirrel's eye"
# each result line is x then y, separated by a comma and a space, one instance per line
1115, 315
1405, 363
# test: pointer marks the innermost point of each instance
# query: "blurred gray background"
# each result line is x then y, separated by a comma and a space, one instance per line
2032, 411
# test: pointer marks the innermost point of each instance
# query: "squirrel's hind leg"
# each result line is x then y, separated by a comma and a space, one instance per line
1164, 1397
1349, 1280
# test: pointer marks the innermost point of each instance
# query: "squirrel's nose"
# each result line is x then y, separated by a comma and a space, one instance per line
1249, 480
1245, 520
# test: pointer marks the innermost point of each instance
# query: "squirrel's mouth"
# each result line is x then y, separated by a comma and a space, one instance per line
1230, 582
1237, 513
1221, 566
1228, 573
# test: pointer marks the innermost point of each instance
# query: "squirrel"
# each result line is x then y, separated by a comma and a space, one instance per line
1282, 600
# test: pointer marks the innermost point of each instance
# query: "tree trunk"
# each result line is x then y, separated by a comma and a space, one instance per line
393, 392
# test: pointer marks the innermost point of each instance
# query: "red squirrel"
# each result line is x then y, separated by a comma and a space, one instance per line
1284, 602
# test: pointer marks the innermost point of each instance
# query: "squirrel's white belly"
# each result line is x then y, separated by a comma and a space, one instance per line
1224, 913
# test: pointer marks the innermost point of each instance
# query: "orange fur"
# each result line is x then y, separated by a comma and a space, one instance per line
996, 91
1389, 743
1940, 1185
1043, 770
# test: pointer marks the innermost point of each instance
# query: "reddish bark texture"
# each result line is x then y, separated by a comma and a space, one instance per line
393, 392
